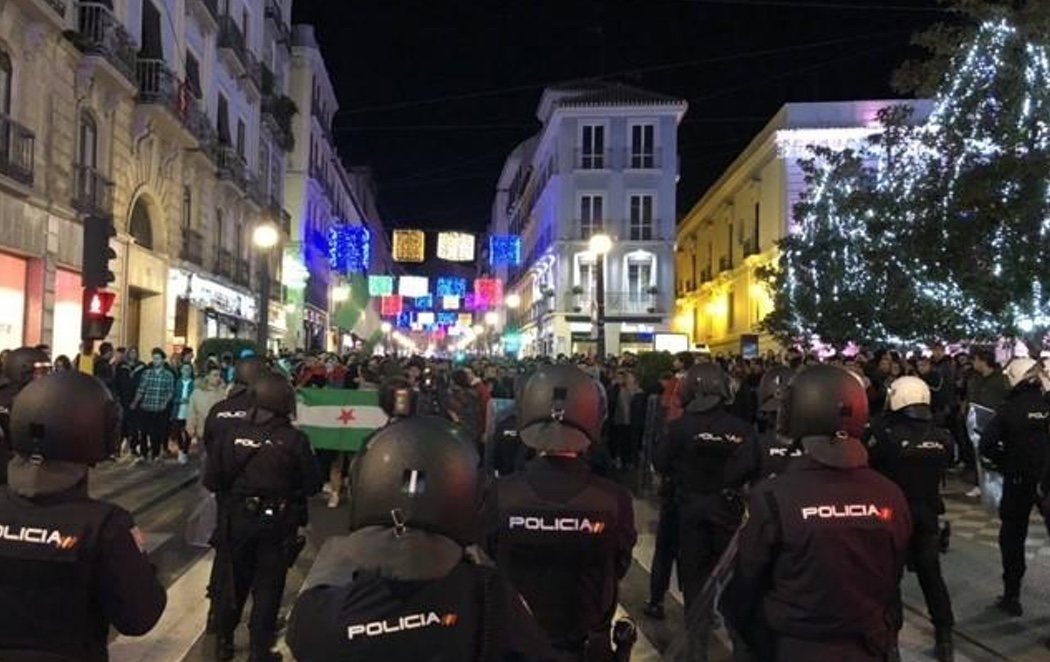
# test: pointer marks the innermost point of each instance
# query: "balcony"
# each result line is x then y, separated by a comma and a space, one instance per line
631, 303
750, 247
51, 11
224, 263
192, 247
279, 216
587, 229
16, 151
231, 42
232, 167
207, 11
642, 160
281, 29
592, 160
99, 33
242, 272
92, 193
643, 231
256, 186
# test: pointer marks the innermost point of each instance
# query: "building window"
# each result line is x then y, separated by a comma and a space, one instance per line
729, 247
238, 240
187, 207
224, 120
5, 83
241, 138
730, 309
87, 156
592, 147
755, 229
641, 217
193, 75
219, 231
244, 26
639, 274
592, 210
586, 274
643, 146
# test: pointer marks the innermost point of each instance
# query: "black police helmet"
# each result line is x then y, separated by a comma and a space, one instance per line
396, 397
248, 369
561, 408
272, 393
771, 388
21, 364
65, 417
705, 387
824, 401
414, 473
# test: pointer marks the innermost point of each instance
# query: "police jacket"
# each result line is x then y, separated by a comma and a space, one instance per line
563, 536
1017, 438
775, 452
821, 555
505, 453
912, 453
374, 595
70, 567
226, 415
708, 452
7, 397
269, 459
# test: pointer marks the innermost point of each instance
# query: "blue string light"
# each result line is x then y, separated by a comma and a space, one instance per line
349, 248
505, 250
451, 287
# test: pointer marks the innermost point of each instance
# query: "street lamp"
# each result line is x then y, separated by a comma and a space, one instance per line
492, 318
265, 237
512, 301
341, 293
600, 244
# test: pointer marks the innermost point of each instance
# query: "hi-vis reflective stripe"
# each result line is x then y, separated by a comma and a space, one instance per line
36, 536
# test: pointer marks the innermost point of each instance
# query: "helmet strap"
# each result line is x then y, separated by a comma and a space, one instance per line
398, 519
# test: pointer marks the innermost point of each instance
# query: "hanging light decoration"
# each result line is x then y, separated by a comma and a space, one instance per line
450, 302
413, 286
380, 286
423, 303
409, 246
505, 250
390, 306
488, 292
465, 320
451, 286
455, 246
425, 319
446, 319
349, 249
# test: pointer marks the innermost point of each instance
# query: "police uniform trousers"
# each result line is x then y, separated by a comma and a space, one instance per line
789, 649
1019, 497
925, 556
706, 524
256, 548
666, 547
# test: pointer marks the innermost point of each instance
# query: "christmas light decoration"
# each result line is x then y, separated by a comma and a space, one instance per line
424, 303
390, 306
465, 320
425, 319
380, 286
488, 292
404, 320
505, 250
413, 286
455, 246
451, 287
450, 302
446, 319
409, 246
349, 249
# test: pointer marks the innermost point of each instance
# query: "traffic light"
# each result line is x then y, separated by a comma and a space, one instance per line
95, 320
98, 230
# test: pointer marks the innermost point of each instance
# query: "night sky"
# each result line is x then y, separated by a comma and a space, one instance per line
434, 95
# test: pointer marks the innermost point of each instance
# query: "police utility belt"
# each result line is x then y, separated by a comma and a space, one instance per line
262, 506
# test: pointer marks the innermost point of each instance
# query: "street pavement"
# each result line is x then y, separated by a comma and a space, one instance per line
161, 497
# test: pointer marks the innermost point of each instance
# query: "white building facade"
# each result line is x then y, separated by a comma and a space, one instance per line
171, 118
605, 161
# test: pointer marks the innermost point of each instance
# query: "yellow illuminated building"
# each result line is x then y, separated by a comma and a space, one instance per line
734, 229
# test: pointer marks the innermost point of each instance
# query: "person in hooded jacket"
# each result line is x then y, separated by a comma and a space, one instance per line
907, 447
403, 584
712, 455
71, 567
261, 470
820, 558
1017, 442
20, 367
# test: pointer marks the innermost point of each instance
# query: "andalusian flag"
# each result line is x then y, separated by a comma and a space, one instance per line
338, 419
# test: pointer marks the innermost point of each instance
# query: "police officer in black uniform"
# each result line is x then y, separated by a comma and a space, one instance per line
561, 534
402, 585
818, 571
261, 471
906, 446
20, 367
1017, 442
776, 449
712, 455
70, 566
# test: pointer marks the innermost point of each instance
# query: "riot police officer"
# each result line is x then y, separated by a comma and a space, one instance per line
907, 447
70, 566
820, 557
402, 585
562, 535
261, 472
776, 450
1017, 441
20, 367
712, 455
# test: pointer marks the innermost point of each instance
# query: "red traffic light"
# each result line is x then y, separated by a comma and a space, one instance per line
98, 303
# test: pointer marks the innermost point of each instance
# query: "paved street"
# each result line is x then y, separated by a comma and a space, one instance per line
162, 496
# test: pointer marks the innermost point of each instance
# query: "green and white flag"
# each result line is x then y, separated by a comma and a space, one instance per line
338, 419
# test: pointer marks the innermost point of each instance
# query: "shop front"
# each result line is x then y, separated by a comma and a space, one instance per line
13, 280
636, 338
200, 308
69, 297
315, 329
